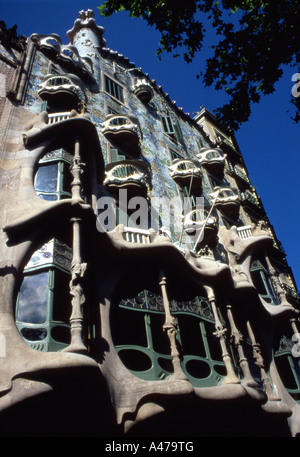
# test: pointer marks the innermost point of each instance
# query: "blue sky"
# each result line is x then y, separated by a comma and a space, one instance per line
269, 141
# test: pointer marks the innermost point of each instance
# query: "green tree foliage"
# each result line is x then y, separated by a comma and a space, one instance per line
255, 40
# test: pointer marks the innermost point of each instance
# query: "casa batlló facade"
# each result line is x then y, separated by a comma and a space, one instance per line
143, 289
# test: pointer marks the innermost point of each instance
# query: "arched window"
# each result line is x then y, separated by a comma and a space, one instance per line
43, 304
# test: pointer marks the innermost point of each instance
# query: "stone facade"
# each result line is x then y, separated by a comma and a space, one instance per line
144, 291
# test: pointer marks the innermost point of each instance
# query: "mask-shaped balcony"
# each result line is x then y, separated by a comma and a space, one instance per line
213, 160
187, 172
202, 226
62, 92
51, 44
227, 201
143, 90
124, 133
133, 175
65, 55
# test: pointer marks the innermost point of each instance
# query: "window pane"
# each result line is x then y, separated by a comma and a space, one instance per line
48, 197
33, 299
46, 178
114, 89
34, 334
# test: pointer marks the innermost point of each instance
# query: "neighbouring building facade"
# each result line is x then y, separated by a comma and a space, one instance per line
143, 289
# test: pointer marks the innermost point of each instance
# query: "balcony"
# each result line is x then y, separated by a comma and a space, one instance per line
53, 118
65, 55
250, 197
225, 144
62, 91
245, 232
143, 90
227, 201
133, 175
291, 292
134, 235
187, 172
213, 160
124, 133
241, 173
200, 221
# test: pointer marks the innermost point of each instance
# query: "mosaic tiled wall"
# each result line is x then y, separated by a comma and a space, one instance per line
156, 145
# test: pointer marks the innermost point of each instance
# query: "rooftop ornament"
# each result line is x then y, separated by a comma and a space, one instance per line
86, 20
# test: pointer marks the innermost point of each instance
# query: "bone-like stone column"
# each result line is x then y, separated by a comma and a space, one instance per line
231, 377
77, 266
171, 328
259, 361
237, 339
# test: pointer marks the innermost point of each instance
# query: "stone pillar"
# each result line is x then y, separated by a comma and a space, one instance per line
171, 329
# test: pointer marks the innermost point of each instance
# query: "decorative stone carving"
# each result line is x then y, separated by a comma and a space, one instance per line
86, 21
239, 249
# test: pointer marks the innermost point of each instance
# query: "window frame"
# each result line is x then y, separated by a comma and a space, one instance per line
175, 155
113, 88
62, 162
171, 129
